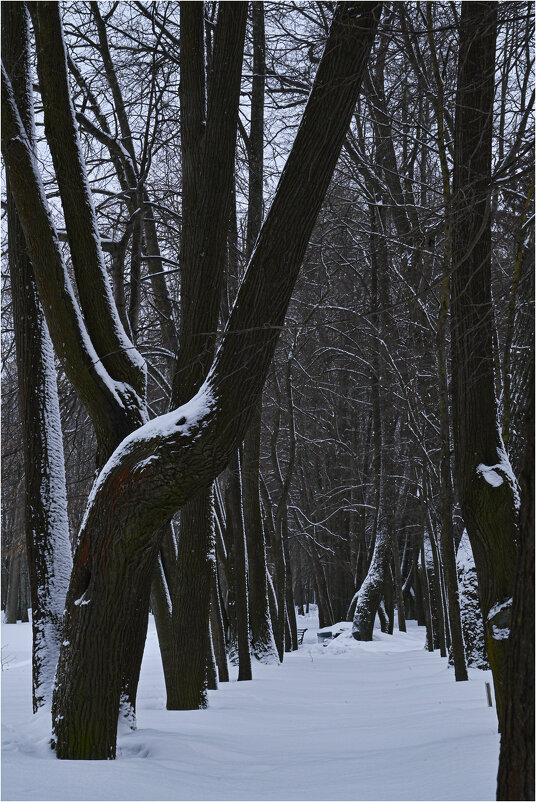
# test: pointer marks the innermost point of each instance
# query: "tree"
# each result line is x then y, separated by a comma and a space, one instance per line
516, 761
159, 466
486, 486
46, 525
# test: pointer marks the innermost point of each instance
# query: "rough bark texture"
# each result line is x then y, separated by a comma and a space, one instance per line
485, 483
46, 524
262, 639
516, 762
235, 520
191, 604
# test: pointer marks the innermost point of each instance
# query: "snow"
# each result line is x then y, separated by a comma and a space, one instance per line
499, 617
490, 474
182, 420
382, 720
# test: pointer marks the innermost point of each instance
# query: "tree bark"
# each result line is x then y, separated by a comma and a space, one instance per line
516, 761
46, 524
235, 520
262, 638
486, 487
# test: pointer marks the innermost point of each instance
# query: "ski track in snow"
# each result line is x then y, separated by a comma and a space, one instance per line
351, 721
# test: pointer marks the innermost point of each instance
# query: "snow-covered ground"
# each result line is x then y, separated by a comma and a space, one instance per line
355, 721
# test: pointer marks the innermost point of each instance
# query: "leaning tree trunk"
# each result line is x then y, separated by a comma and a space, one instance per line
486, 486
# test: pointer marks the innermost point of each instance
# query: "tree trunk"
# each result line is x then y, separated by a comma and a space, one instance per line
217, 629
262, 638
516, 762
191, 603
289, 595
12, 601
209, 113
235, 520
448, 554
487, 489
280, 567
371, 590
46, 524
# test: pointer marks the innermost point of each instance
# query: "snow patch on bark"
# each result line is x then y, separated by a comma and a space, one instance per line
499, 618
53, 543
490, 474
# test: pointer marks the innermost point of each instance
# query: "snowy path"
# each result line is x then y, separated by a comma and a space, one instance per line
377, 721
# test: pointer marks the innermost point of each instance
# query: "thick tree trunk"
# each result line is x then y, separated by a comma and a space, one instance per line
191, 603
486, 486
46, 524
516, 762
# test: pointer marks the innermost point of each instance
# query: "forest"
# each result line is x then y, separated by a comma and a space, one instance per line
267, 345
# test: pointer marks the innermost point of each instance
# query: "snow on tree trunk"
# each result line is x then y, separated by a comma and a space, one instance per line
46, 523
473, 628
487, 489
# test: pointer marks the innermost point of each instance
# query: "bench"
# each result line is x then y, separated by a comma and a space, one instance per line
301, 633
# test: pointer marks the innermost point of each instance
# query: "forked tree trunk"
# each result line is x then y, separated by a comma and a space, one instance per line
157, 468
